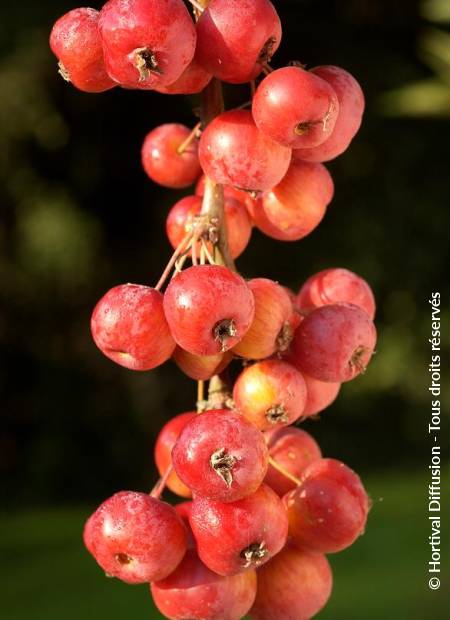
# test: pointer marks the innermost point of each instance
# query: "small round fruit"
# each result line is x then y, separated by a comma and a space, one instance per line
75, 41
146, 43
270, 331
194, 591
334, 343
221, 456
233, 151
201, 367
192, 81
135, 537
162, 160
181, 219
328, 511
295, 107
351, 110
270, 393
295, 585
236, 38
294, 450
163, 451
296, 206
320, 395
129, 326
239, 536
209, 309
332, 286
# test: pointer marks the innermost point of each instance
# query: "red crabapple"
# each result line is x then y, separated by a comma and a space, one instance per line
235, 38
294, 450
75, 41
184, 510
270, 393
201, 367
351, 109
221, 456
328, 511
295, 585
270, 330
233, 151
209, 309
334, 343
332, 286
135, 537
295, 107
242, 535
129, 326
162, 160
181, 218
297, 205
146, 43
321, 395
193, 80
163, 451
194, 591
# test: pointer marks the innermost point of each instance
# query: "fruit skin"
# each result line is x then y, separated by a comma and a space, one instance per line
163, 451
201, 367
221, 432
163, 163
293, 449
270, 393
194, 591
296, 206
192, 81
295, 585
75, 41
239, 226
128, 325
270, 330
332, 286
209, 309
295, 107
233, 151
225, 531
328, 511
146, 43
351, 110
320, 395
334, 343
231, 36
135, 537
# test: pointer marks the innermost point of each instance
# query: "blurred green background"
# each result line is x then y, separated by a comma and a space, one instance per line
78, 216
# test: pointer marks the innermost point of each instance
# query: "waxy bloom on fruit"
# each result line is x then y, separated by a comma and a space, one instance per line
233, 151
236, 38
166, 440
295, 107
135, 537
294, 450
270, 393
163, 161
295, 207
146, 43
129, 326
332, 286
221, 456
295, 585
334, 343
209, 309
328, 511
75, 41
241, 535
195, 591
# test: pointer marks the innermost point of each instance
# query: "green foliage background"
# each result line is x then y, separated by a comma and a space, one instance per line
79, 216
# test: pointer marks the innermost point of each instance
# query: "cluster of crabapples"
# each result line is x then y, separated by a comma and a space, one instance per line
263, 507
